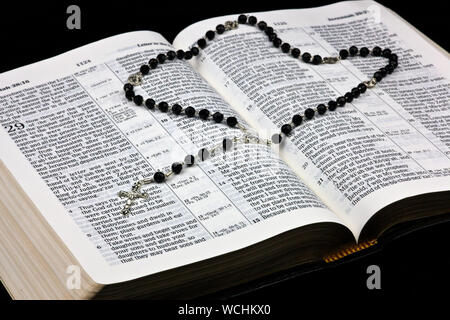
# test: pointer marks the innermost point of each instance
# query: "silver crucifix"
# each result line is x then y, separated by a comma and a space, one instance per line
132, 195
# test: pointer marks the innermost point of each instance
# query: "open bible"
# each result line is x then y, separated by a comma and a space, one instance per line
71, 141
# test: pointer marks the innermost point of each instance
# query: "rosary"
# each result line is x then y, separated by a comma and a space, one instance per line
232, 122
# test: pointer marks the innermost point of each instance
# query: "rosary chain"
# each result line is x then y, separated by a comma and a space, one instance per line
204, 114
203, 155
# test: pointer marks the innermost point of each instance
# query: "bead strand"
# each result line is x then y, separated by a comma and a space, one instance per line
189, 161
348, 97
285, 47
189, 112
205, 114
306, 57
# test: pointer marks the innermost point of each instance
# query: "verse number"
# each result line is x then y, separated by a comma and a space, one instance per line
15, 127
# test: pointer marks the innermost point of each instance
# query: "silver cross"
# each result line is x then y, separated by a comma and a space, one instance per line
131, 196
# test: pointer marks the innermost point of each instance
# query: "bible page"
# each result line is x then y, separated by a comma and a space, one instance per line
73, 141
391, 143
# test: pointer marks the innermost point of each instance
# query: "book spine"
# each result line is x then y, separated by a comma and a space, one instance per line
348, 251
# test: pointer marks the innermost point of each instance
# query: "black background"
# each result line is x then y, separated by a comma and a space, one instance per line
417, 264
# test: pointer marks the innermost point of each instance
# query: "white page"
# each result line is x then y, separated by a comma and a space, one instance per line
401, 126
82, 142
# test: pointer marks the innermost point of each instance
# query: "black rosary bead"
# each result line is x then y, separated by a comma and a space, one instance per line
180, 54
383, 72
353, 51
177, 109
378, 76
376, 51
252, 20
343, 54
389, 68
163, 106
138, 100
309, 113
362, 87
285, 47
393, 57
189, 111
295, 52
262, 25
171, 55
127, 86
161, 57
306, 57
277, 138
220, 28
217, 117
355, 92
159, 177
150, 103
232, 121
153, 63
129, 94
177, 167
348, 97
227, 144
297, 119
277, 42
203, 154
189, 160
272, 37
210, 34
332, 105
321, 109
386, 53
195, 51
364, 52
394, 64
317, 59
286, 128
188, 55
268, 31
341, 101
144, 69
242, 19
201, 43
203, 114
